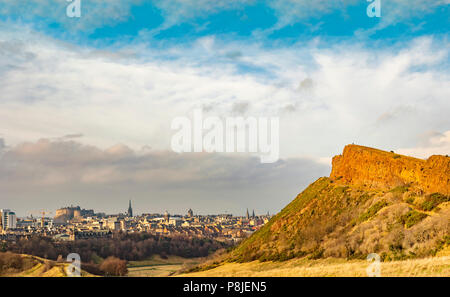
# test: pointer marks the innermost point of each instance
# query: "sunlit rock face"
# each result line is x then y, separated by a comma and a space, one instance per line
359, 165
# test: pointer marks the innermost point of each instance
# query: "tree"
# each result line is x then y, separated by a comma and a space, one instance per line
113, 266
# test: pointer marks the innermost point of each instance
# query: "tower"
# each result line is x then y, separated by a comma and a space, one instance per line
130, 210
253, 214
8, 218
166, 216
248, 216
190, 213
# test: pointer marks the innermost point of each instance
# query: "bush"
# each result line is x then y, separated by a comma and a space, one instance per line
316, 254
411, 218
113, 266
433, 200
372, 211
400, 189
10, 260
92, 268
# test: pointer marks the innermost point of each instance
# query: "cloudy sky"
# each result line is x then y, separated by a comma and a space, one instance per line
86, 104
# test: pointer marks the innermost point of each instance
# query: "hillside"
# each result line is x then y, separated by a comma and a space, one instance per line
373, 202
16, 265
331, 267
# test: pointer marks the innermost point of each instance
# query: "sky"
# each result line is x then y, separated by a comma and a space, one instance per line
86, 104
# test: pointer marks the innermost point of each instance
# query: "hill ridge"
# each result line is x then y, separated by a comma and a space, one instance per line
373, 202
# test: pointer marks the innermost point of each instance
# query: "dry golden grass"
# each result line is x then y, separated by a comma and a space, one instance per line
159, 267
154, 271
42, 269
438, 266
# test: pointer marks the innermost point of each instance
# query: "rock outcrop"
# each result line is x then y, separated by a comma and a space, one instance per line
364, 166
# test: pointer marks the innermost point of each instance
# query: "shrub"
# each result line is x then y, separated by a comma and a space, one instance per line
317, 254
411, 218
11, 260
113, 266
441, 244
372, 211
433, 200
400, 189
410, 200
92, 268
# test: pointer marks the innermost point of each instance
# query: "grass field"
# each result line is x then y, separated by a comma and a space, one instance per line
438, 266
158, 267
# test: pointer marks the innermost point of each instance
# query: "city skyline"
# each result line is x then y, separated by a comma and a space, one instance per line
51, 213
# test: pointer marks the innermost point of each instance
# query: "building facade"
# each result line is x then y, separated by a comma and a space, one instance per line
8, 219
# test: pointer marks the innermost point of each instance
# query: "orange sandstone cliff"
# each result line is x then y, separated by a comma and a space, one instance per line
374, 168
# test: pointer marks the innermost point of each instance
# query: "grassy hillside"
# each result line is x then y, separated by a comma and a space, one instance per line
334, 220
438, 266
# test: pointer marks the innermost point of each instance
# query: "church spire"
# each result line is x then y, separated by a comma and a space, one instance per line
130, 210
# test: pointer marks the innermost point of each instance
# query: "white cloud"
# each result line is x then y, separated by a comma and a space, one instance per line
435, 144
60, 172
381, 97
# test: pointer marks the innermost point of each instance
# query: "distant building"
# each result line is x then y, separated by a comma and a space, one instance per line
65, 214
166, 216
63, 237
27, 223
190, 213
123, 225
176, 222
247, 216
113, 223
130, 210
8, 219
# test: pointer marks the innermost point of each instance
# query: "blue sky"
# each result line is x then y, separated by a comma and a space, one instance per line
268, 22
86, 103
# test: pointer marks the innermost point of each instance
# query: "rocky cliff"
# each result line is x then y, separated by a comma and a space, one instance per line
359, 165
